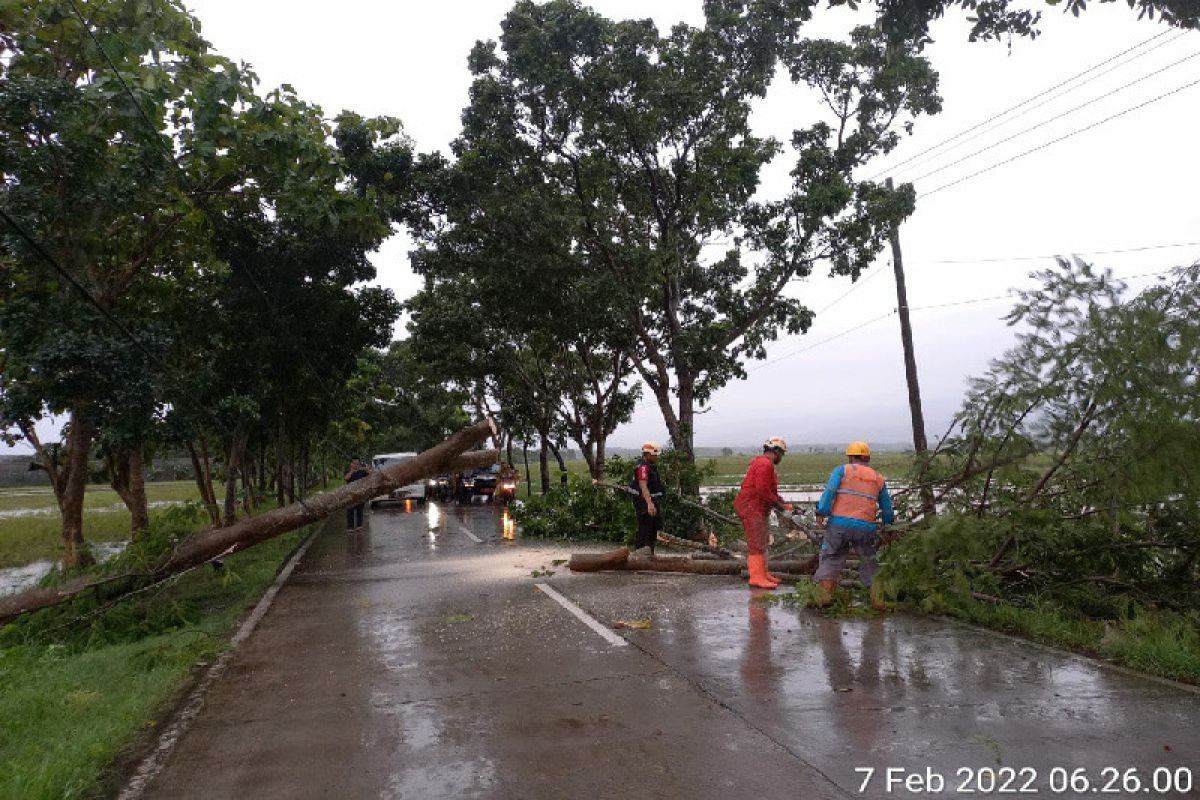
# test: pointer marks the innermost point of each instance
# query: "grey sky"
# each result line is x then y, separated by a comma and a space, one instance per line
1126, 184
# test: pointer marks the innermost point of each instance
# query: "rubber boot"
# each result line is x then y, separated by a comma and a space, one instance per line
757, 566
767, 572
827, 598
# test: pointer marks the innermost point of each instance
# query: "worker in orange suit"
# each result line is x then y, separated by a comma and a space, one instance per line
855, 497
755, 500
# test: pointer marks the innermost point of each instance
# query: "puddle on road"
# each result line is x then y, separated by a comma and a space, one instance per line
465, 778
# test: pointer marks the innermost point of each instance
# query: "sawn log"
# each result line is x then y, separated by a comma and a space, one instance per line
620, 559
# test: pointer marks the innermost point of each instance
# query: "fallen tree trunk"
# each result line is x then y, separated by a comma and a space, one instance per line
215, 542
716, 550
620, 559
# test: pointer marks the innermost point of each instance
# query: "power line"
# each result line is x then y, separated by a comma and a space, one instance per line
70, 279
1055, 118
874, 272
1062, 138
826, 340
929, 307
1060, 255
1021, 104
918, 160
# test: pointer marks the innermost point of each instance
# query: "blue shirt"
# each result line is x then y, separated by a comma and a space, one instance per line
825, 504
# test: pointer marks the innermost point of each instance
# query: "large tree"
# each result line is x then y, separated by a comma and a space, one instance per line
642, 143
129, 152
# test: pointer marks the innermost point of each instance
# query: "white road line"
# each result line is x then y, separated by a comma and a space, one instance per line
464, 529
582, 615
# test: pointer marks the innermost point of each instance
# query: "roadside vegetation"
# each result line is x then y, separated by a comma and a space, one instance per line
38, 537
1094, 544
87, 680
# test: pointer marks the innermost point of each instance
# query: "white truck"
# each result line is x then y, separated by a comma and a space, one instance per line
413, 491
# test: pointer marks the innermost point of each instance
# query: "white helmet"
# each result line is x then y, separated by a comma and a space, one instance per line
775, 443
652, 448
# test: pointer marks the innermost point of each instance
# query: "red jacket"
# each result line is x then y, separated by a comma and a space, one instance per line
760, 488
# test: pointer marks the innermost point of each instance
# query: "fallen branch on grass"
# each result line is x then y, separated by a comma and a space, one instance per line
211, 543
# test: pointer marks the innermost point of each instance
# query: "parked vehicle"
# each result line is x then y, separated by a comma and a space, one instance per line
413, 491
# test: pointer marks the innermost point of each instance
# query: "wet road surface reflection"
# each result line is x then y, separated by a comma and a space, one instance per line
417, 659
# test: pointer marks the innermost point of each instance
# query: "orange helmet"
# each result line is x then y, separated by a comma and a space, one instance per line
858, 449
652, 448
775, 443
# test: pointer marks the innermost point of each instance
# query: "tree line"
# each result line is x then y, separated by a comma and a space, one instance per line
184, 255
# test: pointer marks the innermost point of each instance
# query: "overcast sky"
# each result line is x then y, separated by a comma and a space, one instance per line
1129, 183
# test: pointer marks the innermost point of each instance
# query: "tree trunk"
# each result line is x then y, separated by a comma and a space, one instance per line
280, 473
79, 442
216, 542
204, 482
214, 510
544, 465
620, 559
562, 465
528, 473
233, 460
683, 439
261, 460
127, 476
597, 468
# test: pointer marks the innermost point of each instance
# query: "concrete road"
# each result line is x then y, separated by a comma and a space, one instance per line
432, 657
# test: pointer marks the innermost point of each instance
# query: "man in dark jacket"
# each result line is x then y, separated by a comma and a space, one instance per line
354, 514
647, 490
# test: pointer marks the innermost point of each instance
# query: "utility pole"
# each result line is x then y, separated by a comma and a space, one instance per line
920, 443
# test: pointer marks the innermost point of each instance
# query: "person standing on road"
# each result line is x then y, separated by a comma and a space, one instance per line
354, 514
755, 500
854, 497
647, 490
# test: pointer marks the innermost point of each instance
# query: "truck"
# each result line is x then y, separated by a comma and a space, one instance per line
413, 491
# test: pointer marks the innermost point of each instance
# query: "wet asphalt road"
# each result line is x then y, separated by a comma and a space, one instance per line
419, 660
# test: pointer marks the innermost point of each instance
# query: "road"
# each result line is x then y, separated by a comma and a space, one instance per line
426, 658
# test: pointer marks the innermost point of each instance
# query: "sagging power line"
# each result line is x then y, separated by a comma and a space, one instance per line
1062, 138
1055, 118
1025, 102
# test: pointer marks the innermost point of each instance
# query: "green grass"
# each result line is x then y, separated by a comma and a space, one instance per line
97, 495
75, 698
39, 537
1160, 643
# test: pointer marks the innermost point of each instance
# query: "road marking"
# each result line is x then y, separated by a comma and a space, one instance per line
464, 529
582, 616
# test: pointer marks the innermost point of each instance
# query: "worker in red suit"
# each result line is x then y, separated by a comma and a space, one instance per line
758, 496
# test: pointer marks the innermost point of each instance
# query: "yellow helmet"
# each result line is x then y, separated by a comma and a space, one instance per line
652, 448
858, 449
775, 443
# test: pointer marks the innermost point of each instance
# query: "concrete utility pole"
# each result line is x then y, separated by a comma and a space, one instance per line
920, 443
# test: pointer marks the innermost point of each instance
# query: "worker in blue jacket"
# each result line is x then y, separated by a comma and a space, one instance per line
854, 498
